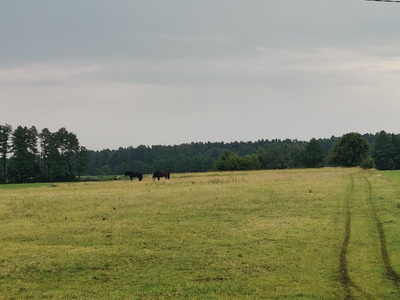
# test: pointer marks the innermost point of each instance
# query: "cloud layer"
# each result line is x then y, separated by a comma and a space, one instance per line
123, 73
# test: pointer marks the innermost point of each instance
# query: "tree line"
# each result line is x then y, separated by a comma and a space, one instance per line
203, 157
386, 151
196, 157
28, 155
261, 154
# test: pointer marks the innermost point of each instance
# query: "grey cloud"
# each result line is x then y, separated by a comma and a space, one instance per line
252, 69
46, 30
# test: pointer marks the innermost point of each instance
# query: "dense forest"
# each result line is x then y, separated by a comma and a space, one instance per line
261, 154
27, 155
202, 157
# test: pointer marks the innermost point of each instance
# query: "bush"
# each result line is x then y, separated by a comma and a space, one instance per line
367, 163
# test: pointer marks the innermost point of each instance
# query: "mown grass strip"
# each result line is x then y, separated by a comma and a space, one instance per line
23, 186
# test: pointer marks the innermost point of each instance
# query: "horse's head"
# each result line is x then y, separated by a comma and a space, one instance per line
140, 176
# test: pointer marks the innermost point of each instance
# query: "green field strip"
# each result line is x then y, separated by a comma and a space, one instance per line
391, 274
366, 271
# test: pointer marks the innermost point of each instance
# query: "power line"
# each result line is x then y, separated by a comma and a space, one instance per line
384, 1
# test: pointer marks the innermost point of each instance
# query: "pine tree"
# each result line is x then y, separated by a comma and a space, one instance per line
23, 162
5, 147
314, 156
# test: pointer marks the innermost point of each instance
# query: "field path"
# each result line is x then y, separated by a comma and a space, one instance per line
345, 278
360, 198
390, 272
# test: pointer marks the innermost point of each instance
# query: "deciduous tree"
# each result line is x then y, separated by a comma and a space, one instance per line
350, 151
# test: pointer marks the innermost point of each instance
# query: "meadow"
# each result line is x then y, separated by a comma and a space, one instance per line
330, 233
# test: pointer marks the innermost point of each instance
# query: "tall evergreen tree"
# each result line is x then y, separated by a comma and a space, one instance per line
23, 162
386, 151
396, 151
314, 156
81, 161
52, 166
68, 147
382, 151
43, 156
5, 133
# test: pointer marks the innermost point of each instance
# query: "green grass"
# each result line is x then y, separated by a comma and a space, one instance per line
392, 173
228, 235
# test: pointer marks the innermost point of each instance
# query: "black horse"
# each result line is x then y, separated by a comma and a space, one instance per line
159, 174
134, 174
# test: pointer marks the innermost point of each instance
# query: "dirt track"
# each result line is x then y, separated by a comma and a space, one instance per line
345, 278
348, 285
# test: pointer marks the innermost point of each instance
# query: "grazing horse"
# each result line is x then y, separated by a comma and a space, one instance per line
159, 174
134, 174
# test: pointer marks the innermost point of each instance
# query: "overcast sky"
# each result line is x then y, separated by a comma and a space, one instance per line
158, 72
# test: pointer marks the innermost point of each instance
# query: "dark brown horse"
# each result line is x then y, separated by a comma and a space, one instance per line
159, 174
134, 174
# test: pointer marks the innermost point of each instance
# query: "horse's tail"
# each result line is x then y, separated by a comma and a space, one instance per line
140, 176
168, 175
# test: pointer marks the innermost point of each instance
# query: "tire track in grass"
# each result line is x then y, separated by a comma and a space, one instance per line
344, 272
391, 274
345, 279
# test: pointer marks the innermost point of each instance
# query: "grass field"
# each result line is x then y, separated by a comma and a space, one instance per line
327, 233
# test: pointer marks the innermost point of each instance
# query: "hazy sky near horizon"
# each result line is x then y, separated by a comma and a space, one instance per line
155, 72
